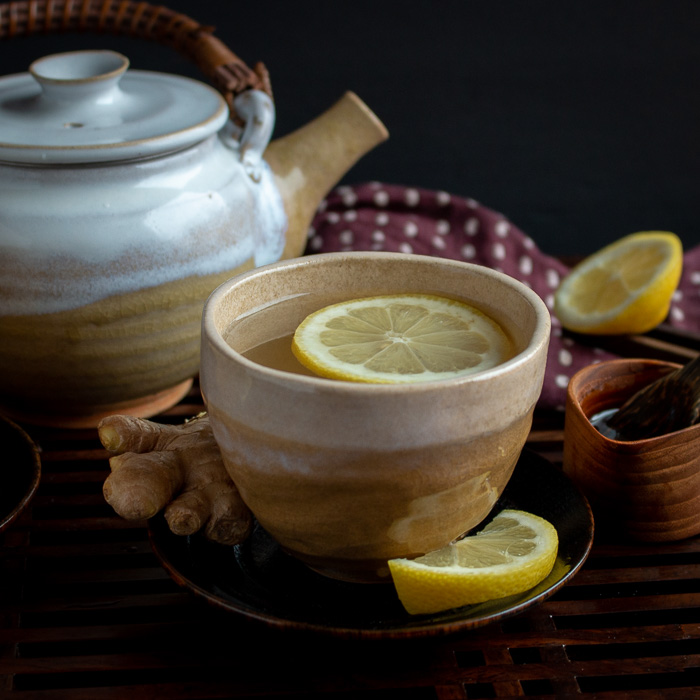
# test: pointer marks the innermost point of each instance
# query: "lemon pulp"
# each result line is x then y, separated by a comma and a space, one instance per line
399, 338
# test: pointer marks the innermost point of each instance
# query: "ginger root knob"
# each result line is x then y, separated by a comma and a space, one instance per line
177, 469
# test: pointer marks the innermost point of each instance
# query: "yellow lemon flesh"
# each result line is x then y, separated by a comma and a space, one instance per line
625, 287
399, 338
510, 555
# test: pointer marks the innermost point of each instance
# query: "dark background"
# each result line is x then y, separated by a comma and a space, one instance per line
580, 121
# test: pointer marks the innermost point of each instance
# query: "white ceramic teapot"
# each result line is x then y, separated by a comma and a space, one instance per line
126, 197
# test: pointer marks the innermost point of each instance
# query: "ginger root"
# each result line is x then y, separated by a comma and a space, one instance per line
178, 468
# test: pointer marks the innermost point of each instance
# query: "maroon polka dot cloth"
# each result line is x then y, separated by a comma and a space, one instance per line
378, 216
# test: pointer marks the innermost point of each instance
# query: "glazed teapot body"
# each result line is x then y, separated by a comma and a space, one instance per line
126, 197
93, 228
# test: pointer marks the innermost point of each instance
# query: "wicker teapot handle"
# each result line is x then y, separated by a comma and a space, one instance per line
228, 73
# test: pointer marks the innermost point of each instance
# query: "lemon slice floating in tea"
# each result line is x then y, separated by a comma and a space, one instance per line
510, 555
399, 338
625, 287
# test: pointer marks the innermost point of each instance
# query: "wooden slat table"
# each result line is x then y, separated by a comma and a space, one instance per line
87, 612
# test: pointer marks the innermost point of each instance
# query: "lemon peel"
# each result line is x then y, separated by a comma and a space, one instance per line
624, 288
510, 555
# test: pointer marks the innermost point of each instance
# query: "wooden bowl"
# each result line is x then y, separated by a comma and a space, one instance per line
648, 490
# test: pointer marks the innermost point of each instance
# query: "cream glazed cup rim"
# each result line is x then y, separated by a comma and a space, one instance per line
540, 335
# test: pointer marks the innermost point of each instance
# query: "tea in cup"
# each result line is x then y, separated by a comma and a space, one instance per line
347, 475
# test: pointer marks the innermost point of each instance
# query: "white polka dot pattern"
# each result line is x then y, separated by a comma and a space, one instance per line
565, 358
525, 265
468, 251
380, 216
349, 199
410, 229
472, 226
381, 198
412, 197
498, 251
382, 219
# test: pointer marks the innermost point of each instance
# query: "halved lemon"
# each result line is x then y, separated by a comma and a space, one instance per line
625, 287
510, 555
399, 338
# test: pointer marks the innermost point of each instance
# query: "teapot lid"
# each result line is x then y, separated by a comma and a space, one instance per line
86, 107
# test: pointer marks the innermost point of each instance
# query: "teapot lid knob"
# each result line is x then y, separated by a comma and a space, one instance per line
79, 74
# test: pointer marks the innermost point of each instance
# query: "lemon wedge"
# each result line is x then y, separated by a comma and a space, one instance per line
510, 555
625, 287
399, 338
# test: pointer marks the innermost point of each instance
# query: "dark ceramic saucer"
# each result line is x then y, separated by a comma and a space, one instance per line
260, 582
20, 471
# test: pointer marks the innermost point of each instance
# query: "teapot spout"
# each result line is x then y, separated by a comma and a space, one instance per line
311, 160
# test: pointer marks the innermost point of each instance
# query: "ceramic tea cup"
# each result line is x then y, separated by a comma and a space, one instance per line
347, 475
649, 489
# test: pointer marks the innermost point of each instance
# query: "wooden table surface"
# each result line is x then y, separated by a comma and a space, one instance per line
87, 612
